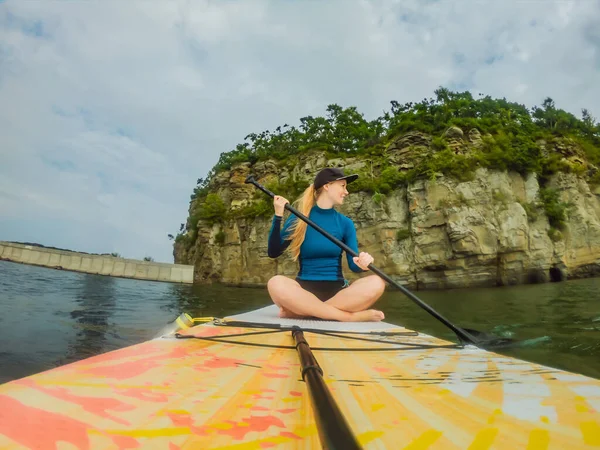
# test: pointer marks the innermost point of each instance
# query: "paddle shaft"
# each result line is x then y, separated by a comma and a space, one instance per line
462, 335
334, 431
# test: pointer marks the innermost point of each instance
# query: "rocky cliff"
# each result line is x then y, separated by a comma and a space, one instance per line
495, 227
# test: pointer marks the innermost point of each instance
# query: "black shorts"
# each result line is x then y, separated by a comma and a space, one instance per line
324, 290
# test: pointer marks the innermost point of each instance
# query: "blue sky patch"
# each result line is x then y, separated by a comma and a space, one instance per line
491, 59
60, 111
63, 165
86, 116
107, 183
458, 58
35, 29
124, 132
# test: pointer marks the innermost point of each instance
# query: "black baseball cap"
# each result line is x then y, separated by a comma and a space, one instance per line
330, 174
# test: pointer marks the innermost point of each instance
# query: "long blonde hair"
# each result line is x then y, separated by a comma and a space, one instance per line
303, 204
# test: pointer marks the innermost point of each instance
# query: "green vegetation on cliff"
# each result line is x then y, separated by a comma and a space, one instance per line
343, 132
496, 133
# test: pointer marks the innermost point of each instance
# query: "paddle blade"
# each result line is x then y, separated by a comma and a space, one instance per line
489, 341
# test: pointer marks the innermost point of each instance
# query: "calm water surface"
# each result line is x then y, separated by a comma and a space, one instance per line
51, 317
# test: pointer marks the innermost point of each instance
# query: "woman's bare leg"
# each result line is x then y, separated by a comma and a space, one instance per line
360, 295
290, 296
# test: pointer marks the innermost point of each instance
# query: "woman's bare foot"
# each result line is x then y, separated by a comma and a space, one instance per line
284, 313
370, 315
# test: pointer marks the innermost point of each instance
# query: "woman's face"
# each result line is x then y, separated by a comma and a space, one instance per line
336, 191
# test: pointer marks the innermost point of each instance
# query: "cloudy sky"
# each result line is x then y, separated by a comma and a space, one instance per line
110, 110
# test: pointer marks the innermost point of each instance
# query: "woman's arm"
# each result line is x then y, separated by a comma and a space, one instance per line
278, 241
351, 241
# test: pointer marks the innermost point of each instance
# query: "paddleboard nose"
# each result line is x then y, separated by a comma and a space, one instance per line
183, 322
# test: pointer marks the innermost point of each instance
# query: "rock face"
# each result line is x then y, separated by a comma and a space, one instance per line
430, 235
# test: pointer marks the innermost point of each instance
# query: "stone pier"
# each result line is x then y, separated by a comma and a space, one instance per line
97, 264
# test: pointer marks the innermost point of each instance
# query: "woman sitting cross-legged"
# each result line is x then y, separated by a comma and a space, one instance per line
319, 289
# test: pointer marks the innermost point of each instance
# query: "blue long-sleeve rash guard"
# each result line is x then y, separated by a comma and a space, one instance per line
320, 259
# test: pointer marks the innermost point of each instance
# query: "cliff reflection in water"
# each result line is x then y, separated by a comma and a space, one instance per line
95, 304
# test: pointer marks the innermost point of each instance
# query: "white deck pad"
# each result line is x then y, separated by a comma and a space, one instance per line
269, 316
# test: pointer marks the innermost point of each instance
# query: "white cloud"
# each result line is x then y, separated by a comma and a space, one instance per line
109, 112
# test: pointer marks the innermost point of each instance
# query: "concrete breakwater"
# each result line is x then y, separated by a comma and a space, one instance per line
96, 264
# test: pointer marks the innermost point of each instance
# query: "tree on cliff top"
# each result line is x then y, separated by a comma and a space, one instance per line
345, 131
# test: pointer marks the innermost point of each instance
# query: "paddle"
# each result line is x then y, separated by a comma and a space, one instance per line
464, 335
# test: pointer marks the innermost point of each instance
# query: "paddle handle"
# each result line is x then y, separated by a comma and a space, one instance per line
463, 335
